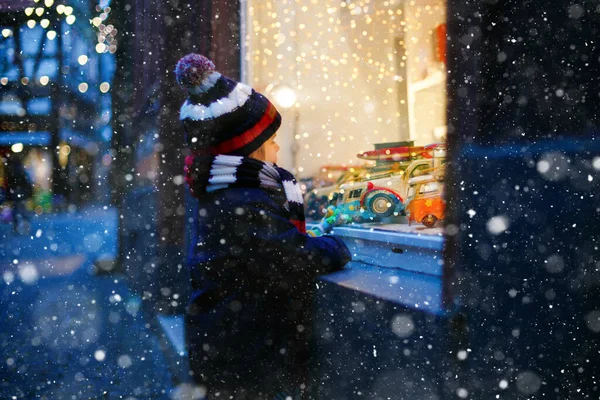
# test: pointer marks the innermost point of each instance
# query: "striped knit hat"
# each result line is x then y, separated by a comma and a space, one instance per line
221, 114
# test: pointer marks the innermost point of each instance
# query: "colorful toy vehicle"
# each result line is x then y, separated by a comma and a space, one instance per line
425, 203
381, 194
319, 197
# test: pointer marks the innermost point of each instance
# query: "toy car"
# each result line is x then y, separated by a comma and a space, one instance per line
319, 197
425, 203
379, 195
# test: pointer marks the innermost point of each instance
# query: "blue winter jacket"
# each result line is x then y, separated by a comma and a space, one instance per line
253, 281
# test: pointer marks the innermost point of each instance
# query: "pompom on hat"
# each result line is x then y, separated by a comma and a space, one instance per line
221, 114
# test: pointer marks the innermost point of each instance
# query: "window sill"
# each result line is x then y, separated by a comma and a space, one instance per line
402, 268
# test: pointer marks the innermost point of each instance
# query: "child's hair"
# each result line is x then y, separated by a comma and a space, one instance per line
258, 154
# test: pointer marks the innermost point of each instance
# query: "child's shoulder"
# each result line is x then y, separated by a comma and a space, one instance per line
253, 197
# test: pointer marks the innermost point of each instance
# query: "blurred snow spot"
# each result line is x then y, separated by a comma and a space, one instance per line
462, 393
528, 382
92, 242
394, 280
91, 335
100, 355
133, 305
28, 273
8, 277
10, 361
503, 384
576, 11
188, 391
462, 355
38, 233
358, 307
451, 230
124, 361
115, 298
512, 293
235, 306
471, 213
555, 264
498, 224
553, 166
114, 317
178, 180
403, 325
596, 163
592, 319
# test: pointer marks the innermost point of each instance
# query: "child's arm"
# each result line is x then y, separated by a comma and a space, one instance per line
276, 242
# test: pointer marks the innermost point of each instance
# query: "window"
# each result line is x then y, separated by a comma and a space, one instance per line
361, 88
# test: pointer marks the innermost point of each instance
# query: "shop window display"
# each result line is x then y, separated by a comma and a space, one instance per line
362, 88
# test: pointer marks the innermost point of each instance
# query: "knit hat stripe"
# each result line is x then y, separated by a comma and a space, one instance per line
222, 106
222, 88
206, 85
237, 142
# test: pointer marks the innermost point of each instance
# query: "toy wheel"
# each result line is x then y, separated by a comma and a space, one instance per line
382, 205
429, 220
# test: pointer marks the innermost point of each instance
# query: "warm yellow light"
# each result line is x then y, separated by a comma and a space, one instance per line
49, 3
6, 32
100, 48
60, 8
284, 96
17, 147
70, 19
51, 35
31, 24
45, 23
44, 80
39, 11
68, 10
4, 80
82, 59
96, 21
104, 87
29, 11
63, 155
25, 80
83, 87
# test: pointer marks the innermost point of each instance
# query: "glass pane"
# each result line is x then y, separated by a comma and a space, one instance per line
365, 87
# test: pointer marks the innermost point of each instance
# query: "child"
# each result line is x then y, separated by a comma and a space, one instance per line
252, 264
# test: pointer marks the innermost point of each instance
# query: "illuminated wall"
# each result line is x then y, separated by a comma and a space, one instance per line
363, 72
